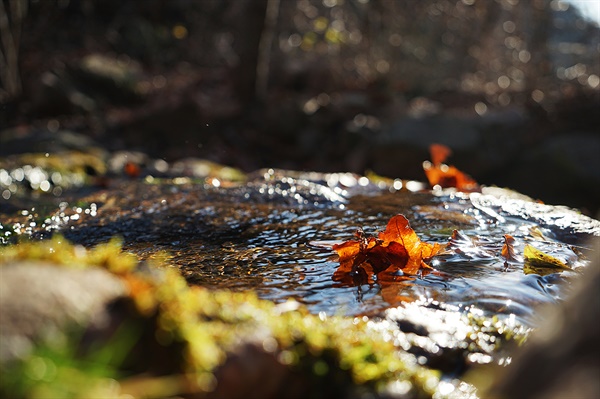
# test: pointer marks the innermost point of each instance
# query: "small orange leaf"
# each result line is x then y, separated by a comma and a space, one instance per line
132, 170
440, 174
508, 250
439, 153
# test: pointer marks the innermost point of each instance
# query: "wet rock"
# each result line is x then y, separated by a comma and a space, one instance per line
255, 236
571, 224
561, 359
39, 300
257, 233
215, 344
449, 338
202, 168
45, 162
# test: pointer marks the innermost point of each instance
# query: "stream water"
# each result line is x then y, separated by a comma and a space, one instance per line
273, 234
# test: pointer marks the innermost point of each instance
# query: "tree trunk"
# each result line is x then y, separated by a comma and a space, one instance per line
248, 23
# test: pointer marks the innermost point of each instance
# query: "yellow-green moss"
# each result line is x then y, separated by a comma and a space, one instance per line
208, 325
61, 252
66, 162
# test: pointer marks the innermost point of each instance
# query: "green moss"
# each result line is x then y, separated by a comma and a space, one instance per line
198, 329
67, 162
61, 252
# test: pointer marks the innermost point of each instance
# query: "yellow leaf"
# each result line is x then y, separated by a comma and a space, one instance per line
539, 262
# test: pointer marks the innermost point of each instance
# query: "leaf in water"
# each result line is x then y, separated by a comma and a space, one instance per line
508, 250
398, 231
440, 174
537, 234
396, 248
539, 262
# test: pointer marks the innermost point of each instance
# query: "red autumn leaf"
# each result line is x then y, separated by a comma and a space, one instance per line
440, 174
396, 248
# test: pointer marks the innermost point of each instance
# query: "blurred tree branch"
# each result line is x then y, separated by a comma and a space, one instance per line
10, 32
264, 49
248, 24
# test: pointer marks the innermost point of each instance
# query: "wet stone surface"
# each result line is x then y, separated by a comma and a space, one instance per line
272, 234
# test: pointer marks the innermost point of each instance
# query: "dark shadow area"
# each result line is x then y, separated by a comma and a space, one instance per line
326, 85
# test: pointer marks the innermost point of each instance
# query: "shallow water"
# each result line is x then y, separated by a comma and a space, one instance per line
273, 235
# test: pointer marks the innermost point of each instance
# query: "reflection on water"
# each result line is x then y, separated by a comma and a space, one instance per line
278, 260
253, 237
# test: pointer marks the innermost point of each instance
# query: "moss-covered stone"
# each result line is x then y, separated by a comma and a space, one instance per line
203, 335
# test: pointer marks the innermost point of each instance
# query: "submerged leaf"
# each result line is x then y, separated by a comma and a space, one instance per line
440, 174
539, 262
537, 234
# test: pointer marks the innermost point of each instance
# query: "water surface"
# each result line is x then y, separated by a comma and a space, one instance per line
273, 234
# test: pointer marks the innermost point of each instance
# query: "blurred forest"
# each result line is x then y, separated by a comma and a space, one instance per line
328, 85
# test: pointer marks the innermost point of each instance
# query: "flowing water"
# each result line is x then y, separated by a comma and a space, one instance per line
273, 234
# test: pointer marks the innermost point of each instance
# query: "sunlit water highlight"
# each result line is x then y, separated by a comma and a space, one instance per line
273, 235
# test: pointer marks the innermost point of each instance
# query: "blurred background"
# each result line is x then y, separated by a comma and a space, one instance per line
512, 86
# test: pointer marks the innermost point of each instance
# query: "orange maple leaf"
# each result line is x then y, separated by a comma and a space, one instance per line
440, 174
396, 248
398, 231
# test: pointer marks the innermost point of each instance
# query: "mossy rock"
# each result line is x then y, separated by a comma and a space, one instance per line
179, 340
